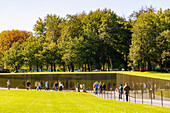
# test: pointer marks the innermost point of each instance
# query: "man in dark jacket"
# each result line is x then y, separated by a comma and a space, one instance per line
126, 90
120, 91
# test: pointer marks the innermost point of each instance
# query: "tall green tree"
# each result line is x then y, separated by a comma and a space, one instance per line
32, 48
14, 57
71, 31
54, 26
125, 36
163, 48
143, 38
109, 34
40, 27
50, 54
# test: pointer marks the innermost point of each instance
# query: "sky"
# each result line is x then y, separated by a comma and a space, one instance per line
23, 14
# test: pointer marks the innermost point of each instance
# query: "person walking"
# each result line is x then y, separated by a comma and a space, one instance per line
126, 90
120, 91
28, 85
8, 84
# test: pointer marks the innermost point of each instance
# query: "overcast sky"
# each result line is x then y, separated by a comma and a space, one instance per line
22, 14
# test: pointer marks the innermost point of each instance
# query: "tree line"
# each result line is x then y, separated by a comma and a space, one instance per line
98, 40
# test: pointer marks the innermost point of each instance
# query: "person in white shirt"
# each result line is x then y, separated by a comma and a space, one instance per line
61, 86
8, 84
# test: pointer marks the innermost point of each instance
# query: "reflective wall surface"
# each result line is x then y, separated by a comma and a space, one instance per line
138, 82
69, 80
112, 80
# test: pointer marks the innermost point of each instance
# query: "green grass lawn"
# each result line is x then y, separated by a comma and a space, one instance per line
165, 93
22, 101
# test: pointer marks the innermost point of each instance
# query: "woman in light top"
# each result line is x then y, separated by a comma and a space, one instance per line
8, 84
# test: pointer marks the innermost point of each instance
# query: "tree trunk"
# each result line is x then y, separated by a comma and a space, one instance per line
64, 67
47, 66
16, 68
51, 66
69, 68
85, 68
95, 64
54, 68
103, 67
108, 64
141, 65
111, 62
161, 65
30, 68
82, 68
41, 68
37, 67
72, 67
138, 65
148, 65
88, 66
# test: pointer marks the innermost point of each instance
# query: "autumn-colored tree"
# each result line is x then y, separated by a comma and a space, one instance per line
8, 38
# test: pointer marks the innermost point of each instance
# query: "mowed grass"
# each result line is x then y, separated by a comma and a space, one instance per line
22, 101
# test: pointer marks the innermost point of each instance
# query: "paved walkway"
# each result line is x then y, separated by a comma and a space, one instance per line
146, 100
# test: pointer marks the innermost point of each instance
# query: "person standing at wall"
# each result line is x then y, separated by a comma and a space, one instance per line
47, 86
104, 87
100, 87
61, 86
56, 86
8, 84
28, 85
120, 91
126, 90
38, 85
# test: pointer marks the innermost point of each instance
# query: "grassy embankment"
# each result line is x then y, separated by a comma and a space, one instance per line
22, 101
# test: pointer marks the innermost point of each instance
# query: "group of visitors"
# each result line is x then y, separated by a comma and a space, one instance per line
99, 87
38, 86
80, 87
126, 90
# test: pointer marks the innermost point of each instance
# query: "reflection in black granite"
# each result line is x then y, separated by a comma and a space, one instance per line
69, 80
